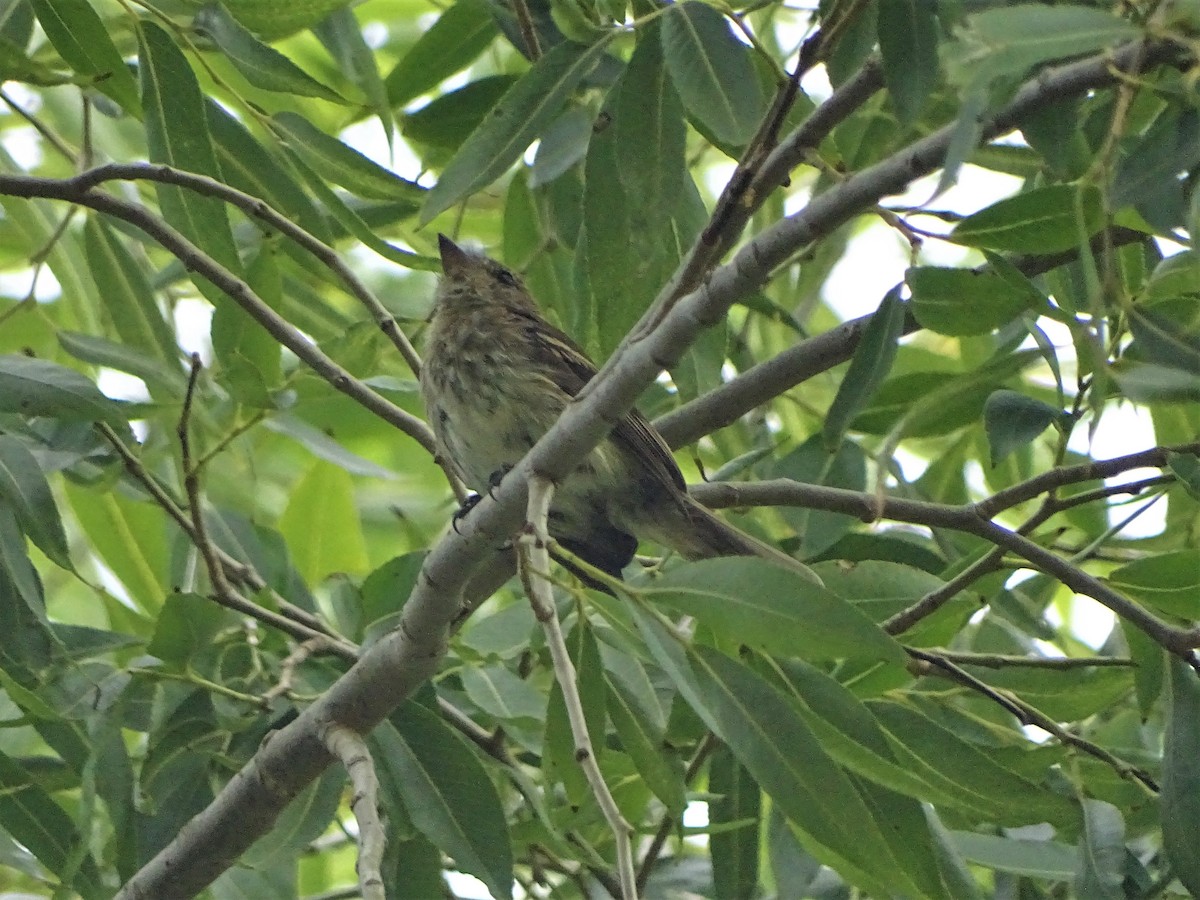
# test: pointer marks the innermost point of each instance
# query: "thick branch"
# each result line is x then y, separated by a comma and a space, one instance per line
248, 805
869, 507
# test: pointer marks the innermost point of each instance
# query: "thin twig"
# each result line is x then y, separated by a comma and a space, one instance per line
529, 35
1006, 661
349, 747
292, 620
259, 209
535, 557
667, 825
1030, 715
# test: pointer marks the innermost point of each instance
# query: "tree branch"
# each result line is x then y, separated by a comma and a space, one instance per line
404, 659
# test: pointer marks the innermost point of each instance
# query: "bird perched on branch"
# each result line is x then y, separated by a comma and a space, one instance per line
496, 375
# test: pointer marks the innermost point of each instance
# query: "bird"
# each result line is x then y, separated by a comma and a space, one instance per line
495, 377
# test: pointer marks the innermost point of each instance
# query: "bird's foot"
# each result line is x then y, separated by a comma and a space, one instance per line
467, 505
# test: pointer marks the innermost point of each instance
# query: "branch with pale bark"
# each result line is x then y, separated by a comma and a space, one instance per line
695, 299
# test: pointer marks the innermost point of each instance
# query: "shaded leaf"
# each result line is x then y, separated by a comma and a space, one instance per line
1012, 420
451, 44
712, 71
1043, 220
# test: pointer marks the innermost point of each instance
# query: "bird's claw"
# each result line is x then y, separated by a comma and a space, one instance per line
467, 505
495, 478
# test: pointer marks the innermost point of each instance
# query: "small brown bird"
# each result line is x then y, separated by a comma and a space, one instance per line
496, 376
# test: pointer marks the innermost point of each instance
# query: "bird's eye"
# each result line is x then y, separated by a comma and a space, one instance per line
506, 278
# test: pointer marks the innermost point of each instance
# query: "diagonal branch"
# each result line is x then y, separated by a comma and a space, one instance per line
407, 657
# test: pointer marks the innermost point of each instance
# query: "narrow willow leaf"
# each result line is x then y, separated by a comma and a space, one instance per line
82, 39
1101, 852
870, 365
187, 624
923, 745
643, 741
344, 165
343, 38
36, 387
1168, 581
500, 693
262, 66
131, 538
19, 575
324, 496
23, 486
127, 294
769, 606
1180, 797
1047, 860
322, 446
712, 71
1012, 420
451, 44
962, 302
177, 135
160, 379
908, 43
651, 134
737, 802
513, 124
246, 165
354, 224
449, 120
786, 759
1010, 41
562, 145
1042, 220
31, 816
447, 793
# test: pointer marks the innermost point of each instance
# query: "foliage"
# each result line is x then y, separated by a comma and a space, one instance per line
194, 549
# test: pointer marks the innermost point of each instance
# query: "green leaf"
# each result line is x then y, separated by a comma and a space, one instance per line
1180, 797
869, 366
186, 626
1186, 469
344, 165
786, 759
1165, 340
925, 746
262, 66
1148, 177
1047, 860
342, 36
246, 165
712, 71
84, 42
448, 120
736, 802
451, 44
766, 605
160, 379
1102, 852
19, 576
563, 144
447, 793
23, 486
1043, 220
1010, 41
177, 135
35, 387
651, 134
962, 302
29, 814
321, 524
1169, 581
127, 295
1012, 420
515, 121
500, 693
908, 43
643, 741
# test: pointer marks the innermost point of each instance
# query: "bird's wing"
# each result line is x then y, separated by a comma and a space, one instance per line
560, 354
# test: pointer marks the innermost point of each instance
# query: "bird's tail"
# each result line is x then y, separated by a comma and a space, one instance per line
696, 533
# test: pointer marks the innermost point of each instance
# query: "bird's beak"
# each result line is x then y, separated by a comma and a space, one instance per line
454, 258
